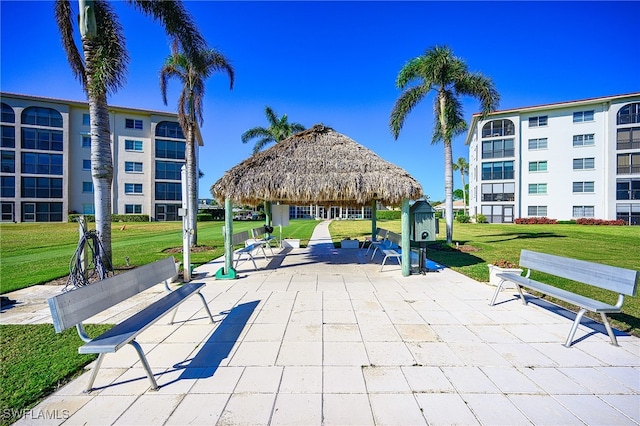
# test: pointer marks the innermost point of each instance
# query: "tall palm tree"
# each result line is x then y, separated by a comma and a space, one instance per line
279, 129
439, 70
192, 75
463, 166
101, 69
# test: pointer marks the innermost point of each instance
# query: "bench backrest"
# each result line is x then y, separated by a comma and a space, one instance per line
239, 238
259, 232
396, 239
75, 306
382, 233
620, 280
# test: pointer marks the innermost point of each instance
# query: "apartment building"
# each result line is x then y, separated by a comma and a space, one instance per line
568, 160
45, 169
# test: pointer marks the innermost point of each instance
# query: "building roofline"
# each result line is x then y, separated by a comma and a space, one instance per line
110, 107
476, 116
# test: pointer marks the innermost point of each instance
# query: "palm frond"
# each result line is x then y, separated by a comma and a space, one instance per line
482, 88
65, 26
404, 105
454, 118
256, 132
109, 64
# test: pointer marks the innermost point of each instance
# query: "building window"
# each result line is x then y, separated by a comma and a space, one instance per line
540, 143
8, 163
628, 114
583, 211
628, 138
540, 211
497, 170
584, 140
497, 148
538, 121
168, 191
45, 140
85, 141
86, 120
40, 116
628, 189
499, 191
630, 213
133, 208
131, 145
8, 186
41, 164
132, 167
86, 164
8, 116
87, 187
88, 208
8, 137
41, 187
169, 129
583, 187
537, 188
42, 212
584, 163
537, 166
498, 128
168, 170
628, 163
498, 213
133, 188
582, 116
170, 149
130, 123
7, 212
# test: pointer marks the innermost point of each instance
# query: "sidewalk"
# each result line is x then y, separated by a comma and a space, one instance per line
319, 336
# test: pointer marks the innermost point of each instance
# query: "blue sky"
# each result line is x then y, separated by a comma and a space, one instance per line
336, 62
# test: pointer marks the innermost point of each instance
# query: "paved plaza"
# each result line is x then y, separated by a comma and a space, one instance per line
320, 336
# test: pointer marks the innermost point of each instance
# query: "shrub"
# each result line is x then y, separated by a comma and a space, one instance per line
204, 217
388, 214
87, 217
114, 217
463, 218
536, 221
591, 221
480, 218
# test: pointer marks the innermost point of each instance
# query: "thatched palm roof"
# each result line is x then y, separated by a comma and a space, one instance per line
319, 166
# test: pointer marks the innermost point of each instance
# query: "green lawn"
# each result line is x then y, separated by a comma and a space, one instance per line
611, 245
45, 249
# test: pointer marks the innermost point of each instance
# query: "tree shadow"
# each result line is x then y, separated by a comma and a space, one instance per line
522, 235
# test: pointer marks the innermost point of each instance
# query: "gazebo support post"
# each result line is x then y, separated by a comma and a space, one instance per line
374, 225
227, 272
267, 213
406, 240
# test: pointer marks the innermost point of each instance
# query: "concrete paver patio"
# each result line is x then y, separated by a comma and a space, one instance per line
321, 336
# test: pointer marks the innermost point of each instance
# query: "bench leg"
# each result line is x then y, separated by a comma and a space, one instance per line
206, 307
495, 293
574, 327
145, 364
383, 262
612, 336
94, 373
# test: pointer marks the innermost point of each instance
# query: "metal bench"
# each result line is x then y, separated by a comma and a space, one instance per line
260, 235
73, 307
391, 248
622, 281
250, 246
381, 235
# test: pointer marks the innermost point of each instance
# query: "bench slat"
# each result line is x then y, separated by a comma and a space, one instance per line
564, 295
126, 331
613, 278
75, 306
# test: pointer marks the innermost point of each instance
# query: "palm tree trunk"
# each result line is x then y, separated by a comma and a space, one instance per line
192, 196
101, 155
448, 171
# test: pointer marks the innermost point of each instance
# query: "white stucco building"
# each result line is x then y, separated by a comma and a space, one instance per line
46, 160
563, 161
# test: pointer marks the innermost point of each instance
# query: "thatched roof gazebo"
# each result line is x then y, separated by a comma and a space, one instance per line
319, 166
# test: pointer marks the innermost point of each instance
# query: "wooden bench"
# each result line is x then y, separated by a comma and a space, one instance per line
391, 247
73, 307
622, 281
381, 235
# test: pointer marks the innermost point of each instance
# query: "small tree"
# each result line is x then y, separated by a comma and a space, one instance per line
278, 130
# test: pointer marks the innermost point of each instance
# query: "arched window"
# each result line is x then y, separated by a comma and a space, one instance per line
40, 116
8, 116
497, 128
629, 114
169, 129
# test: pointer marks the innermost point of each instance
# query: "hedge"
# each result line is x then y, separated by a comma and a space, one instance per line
388, 214
114, 217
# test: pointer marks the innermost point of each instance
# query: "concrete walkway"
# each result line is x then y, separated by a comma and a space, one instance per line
320, 336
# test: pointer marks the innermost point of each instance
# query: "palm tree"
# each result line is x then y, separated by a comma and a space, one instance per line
101, 70
279, 129
192, 75
439, 70
463, 166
